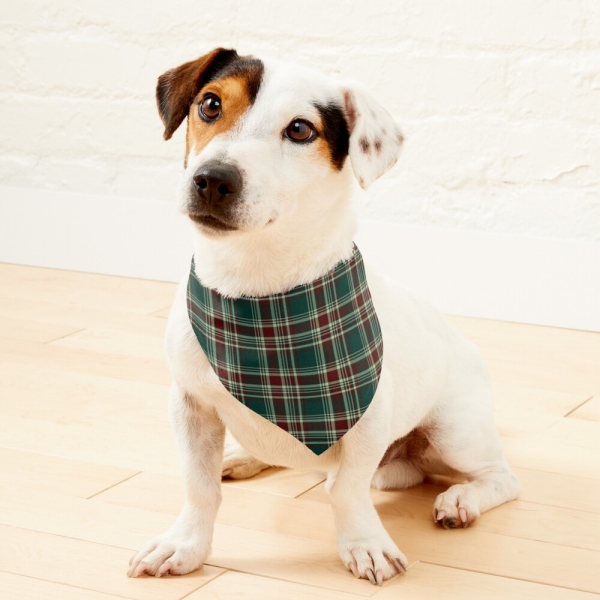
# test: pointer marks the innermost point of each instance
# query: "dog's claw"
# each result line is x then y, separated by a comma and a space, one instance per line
399, 566
371, 576
354, 569
379, 577
439, 515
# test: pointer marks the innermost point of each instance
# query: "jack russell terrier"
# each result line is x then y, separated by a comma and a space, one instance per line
276, 334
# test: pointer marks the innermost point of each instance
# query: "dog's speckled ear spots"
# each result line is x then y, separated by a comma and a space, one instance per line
177, 88
375, 139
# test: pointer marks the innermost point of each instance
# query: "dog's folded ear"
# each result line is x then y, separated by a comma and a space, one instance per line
177, 88
375, 138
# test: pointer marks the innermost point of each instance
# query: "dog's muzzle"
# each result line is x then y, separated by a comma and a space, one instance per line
216, 187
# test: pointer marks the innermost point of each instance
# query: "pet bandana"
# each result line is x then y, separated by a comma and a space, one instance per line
308, 360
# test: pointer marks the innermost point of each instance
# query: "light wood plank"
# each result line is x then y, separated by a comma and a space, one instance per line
551, 456
49, 473
90, 566
521, 411
18, 587
590, 411
573, 432
81, 361
79, 316
121, 341
556, 359
279, 555
121, 444
33, 331
426, 581
555, 489
250, 587
95, 418
282, 482
72, 288
399, 510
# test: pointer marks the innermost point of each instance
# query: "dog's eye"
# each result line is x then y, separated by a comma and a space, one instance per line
299, 130
210, 108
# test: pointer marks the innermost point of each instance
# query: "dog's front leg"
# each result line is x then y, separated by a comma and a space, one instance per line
364, 545
184, 547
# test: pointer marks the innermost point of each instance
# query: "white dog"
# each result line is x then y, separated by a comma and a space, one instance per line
266, 187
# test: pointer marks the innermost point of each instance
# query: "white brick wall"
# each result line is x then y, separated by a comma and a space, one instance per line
500, 99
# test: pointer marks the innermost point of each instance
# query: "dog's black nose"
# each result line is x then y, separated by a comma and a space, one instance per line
217, 182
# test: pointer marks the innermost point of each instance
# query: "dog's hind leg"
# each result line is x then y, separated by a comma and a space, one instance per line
468, 442
238, 464
398, 474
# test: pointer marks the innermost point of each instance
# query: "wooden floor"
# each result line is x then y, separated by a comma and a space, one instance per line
89, 470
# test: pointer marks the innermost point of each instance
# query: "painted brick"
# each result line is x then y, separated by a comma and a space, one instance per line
498, 99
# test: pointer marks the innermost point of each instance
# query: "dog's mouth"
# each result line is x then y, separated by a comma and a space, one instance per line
211, 222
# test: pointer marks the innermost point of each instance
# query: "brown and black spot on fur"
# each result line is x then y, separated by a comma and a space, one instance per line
377, 145
365, 145
334, 131
236, 80
411, 447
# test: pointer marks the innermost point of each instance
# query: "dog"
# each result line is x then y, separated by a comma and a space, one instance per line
271, 149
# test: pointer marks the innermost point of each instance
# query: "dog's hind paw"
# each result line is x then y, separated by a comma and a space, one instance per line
238, 464
456, 507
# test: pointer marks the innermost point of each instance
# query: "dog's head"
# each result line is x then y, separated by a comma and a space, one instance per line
265, 138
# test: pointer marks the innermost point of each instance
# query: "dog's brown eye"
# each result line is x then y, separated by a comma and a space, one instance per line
299, 131
210, 108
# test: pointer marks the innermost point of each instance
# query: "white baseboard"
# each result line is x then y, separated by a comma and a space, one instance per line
531, 280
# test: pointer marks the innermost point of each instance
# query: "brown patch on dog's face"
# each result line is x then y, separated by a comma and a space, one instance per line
235, 100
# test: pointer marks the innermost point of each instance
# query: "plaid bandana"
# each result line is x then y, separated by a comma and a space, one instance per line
308, 360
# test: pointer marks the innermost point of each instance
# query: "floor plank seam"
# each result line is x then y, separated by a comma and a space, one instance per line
312, 585
312, 487
113, 485
62, 337
76, 587
578, 406
205, 584
554, 585
70, 537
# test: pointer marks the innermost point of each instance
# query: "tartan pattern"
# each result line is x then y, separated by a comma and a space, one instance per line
308, 360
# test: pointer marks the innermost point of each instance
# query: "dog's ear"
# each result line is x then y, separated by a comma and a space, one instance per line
177, 88
375, 138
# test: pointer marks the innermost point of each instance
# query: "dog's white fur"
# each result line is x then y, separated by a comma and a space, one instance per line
295, 223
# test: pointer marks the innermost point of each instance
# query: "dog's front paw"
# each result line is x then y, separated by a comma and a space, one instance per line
372, 559
172, 553
238, 464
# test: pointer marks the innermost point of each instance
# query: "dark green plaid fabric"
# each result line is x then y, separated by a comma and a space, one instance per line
308, 360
